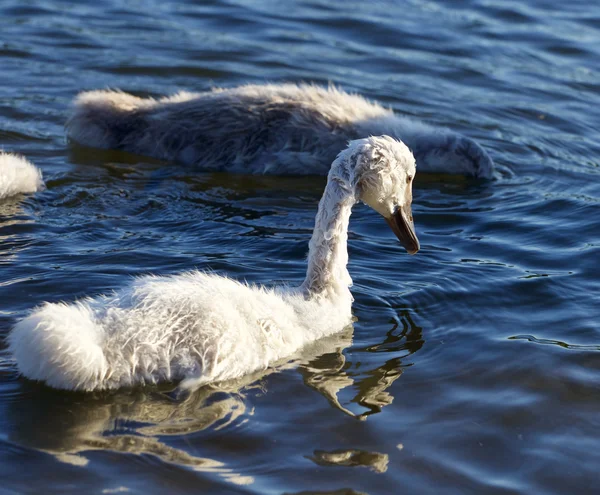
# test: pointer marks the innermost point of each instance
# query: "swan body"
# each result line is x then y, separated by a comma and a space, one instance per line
203, 327
192, 325
18, 176
278, 129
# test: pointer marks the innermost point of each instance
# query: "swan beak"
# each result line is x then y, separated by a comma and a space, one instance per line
401, 223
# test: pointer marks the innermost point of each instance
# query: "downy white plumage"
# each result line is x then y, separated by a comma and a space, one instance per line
276, 129
203, 327
18, 176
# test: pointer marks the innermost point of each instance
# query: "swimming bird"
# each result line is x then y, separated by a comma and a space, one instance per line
201, 327
277, 129
18, 176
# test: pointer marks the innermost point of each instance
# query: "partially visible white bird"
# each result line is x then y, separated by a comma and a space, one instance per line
204, 327
277, 129
18, 176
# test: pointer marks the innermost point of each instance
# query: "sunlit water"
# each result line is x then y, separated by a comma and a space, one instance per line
473, 367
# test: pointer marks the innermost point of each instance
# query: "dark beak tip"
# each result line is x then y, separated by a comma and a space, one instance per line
412, 248
405, 233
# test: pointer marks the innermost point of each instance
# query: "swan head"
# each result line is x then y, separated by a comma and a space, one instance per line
381, 171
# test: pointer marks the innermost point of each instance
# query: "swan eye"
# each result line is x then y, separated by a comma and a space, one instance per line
408, 179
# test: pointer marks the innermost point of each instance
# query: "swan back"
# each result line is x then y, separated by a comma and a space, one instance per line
285, 129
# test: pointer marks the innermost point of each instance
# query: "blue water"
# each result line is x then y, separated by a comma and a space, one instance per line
473, 367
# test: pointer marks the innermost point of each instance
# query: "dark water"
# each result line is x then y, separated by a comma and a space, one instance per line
474, 367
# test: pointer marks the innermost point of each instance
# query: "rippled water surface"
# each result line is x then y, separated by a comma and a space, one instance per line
473, 367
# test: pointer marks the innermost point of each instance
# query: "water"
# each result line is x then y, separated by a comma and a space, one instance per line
473, 366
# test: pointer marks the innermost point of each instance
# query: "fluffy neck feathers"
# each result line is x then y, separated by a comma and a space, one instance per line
327, 275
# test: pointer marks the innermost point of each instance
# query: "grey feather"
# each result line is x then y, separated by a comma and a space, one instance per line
284, 129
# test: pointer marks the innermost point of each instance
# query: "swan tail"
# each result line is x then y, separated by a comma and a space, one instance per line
475, 160
17, 176
60, 345
105, 118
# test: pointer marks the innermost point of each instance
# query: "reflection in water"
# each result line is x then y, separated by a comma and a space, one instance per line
330, 373
14, 239
565, 345
10, 208
12, 220
352, 457
218, 188
67, 425
403, 339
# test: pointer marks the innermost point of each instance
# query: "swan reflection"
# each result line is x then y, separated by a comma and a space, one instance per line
375, 461
330, 373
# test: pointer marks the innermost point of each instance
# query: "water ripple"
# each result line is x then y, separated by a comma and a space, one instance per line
436, 384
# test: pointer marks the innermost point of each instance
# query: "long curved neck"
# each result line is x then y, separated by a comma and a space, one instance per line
327, 274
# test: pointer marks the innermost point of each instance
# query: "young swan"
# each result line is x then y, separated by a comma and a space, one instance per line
204, 327
18, 176
276, 129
